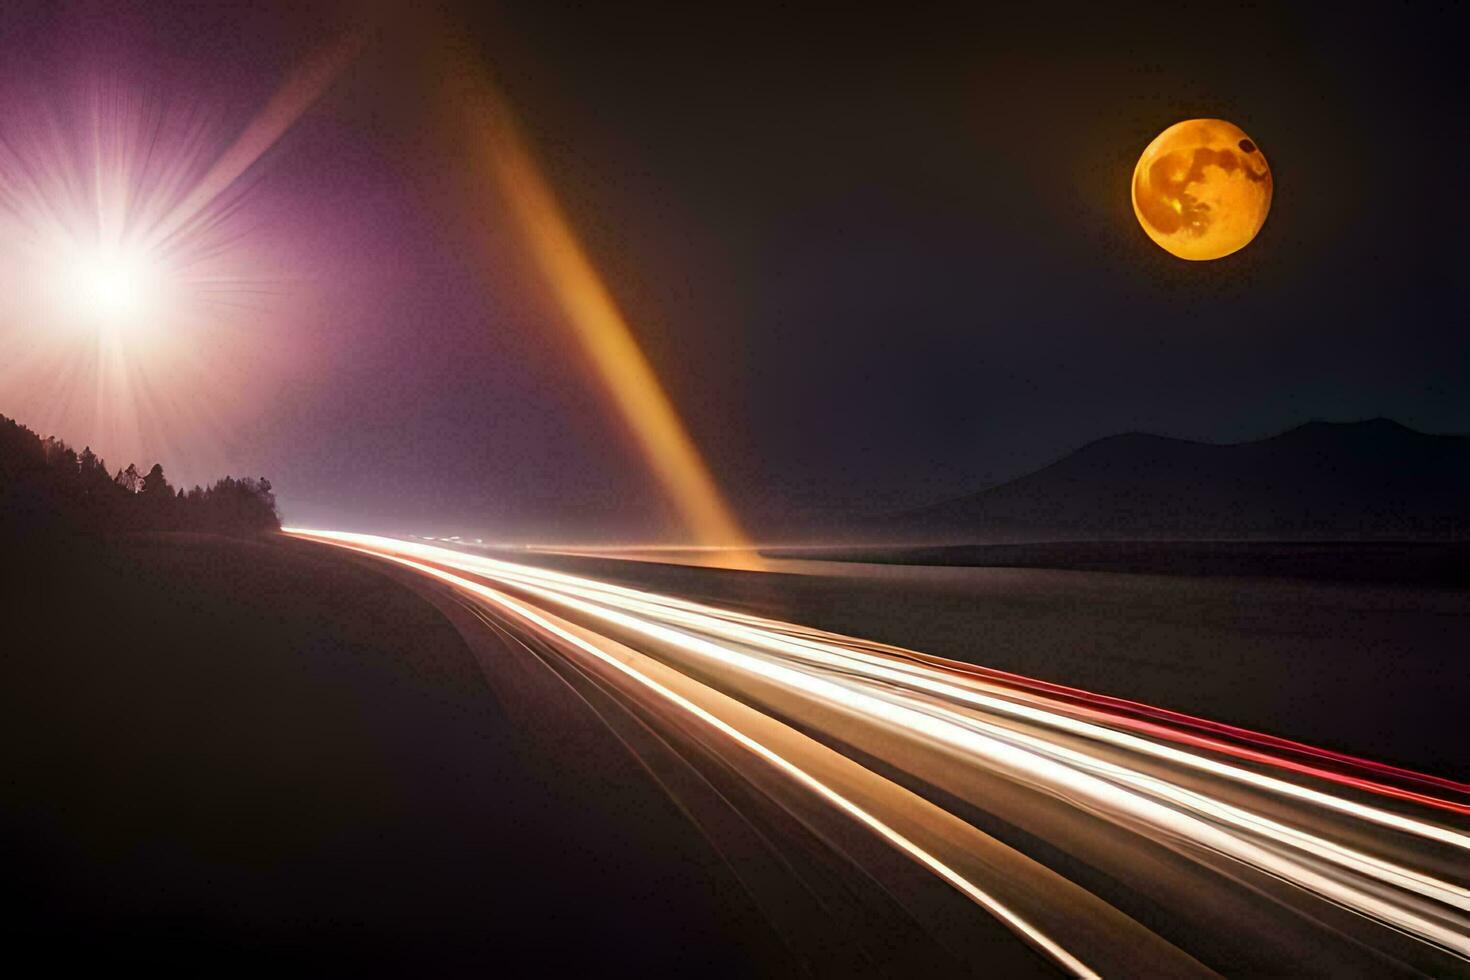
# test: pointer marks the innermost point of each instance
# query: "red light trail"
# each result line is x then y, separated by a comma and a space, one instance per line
1107, 775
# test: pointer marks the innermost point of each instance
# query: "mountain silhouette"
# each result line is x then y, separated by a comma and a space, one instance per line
1374, 479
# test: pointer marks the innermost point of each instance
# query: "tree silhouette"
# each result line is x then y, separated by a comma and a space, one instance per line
46, 486
154, 485
90, 469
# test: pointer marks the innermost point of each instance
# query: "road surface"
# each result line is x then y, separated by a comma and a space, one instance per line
1021, 824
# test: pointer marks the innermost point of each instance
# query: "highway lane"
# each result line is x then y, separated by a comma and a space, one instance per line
1196, 847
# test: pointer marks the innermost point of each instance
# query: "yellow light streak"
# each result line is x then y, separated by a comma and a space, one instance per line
601, 328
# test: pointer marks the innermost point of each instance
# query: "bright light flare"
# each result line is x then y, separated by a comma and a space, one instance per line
140, 267
112, 287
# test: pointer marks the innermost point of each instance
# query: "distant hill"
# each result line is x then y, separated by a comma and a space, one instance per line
1362, 480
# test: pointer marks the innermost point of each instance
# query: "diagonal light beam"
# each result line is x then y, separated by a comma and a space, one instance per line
599, 325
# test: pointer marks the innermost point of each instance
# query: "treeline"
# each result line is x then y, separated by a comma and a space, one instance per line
46, 485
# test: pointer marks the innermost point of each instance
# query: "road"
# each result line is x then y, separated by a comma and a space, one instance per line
1084, 834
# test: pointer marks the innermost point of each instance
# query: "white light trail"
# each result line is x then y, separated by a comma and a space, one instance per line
1020, 735
964, 885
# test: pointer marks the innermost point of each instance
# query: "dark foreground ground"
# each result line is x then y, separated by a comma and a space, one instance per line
228, 755
233, 756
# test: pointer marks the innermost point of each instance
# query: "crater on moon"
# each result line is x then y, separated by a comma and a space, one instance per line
1202, 189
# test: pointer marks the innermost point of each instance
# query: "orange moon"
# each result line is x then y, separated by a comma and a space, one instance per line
1202, 189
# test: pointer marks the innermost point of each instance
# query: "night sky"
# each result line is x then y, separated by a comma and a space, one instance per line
878, 258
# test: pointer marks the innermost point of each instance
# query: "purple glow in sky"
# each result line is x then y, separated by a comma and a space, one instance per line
875, 264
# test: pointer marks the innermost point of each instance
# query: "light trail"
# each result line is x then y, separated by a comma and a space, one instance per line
1398, 866
972, 891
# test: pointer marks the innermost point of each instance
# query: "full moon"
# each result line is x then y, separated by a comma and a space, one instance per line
1202, 189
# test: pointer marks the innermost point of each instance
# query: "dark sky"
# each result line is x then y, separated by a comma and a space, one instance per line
878, 258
